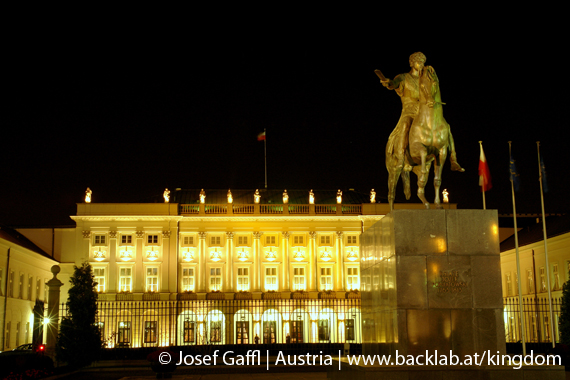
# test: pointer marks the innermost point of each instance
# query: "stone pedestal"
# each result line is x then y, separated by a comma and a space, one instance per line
431, 280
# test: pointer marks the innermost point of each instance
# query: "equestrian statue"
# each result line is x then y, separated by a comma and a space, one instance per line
422, 135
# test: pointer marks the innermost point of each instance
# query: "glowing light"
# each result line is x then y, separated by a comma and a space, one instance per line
352, 256
445, 196
495, 229
311, 197
126, 255
299, 255
99, 255
230, 197
270, 256
88, 194
46, 321
215, 256
187, 256
326, 256
285, 197
256, 196
339, 197
152, 255
243, 256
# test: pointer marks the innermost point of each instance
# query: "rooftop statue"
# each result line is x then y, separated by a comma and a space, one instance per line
256, 196
285, 197
202, 196
372, 196
422, 135
88, 194
166, 195
339, 196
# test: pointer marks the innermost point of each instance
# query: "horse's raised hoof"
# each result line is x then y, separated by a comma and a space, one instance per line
456, 167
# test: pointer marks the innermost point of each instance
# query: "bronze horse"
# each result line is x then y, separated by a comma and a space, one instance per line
429, 141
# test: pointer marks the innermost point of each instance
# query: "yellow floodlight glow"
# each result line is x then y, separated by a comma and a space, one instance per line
215, 256
99, 255
152, 255
243, 256
326, 256
270, 256
126, 255
352, 256
188, 256
299, 255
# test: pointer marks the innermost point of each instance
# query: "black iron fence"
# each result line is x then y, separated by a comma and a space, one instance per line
186, 323
536, 319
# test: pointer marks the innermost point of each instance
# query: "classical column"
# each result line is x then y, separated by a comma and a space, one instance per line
286, 284
230, 262
138, 281
113, 257
169, 263
256, 261
312, 262
53, 311
201, 267
339, 259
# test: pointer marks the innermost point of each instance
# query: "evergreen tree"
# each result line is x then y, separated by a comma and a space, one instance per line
79, 339
564, 321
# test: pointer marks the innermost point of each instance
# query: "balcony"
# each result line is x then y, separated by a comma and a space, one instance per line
269, 209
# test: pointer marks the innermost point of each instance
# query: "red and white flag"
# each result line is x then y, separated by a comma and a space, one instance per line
261, 136
484, 174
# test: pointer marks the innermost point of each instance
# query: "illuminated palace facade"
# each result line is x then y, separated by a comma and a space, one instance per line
214, 267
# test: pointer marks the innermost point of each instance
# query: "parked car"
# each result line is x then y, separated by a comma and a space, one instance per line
23, 349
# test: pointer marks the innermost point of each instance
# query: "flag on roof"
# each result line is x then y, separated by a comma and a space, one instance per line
543, 174
261, 136
515, 177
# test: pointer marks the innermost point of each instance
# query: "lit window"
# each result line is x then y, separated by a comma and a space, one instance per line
215, 240
152, 239
554, 273
152, 279
21, 287
326, 240
125, 280
269, 332
298, 278
126, 239
242, 332
270, 240
99, 277
351, 240
323, 329
216, 332
271, 279
124, 334
326, 278
349, 329
243, 279
189, 331
188, 279
353, 281
99, 240
150, 331
242, 240
215, 279
297, 331
530, 281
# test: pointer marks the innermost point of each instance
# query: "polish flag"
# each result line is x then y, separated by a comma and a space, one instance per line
261, 136
484, 174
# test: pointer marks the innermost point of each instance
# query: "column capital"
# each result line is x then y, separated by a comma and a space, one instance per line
230, 235
286, 235
312, 234
86, 234
112, 234
257, 234
166, 234
202, 235
140, 234
339, 234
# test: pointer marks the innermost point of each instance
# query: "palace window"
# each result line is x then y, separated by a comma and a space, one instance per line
509, 290
270, 240
349, 329
17, 334
99, 276
324, 329
326, 278
352, 278
125, 279
530, 281
326, 240
124, 334
150, 331
215, 332
46, 290
271, 279
152, 279
21, 287
11, 284
152, 239
242, 332
126, 239
38, 287
296, 332
215, 279
215, 240
8, 328
189, 331
298, 240
188, 240
99, 240
242, 240
269, 332
516, 284
542, 279
27, 336
243, 279
298, 278
351, 240
555, 275
30, 286
187, 279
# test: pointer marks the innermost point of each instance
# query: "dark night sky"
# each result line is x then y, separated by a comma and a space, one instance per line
129, 114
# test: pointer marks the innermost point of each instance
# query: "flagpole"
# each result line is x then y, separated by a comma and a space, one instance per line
521, 316
553, 339
483, 187
265, 153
